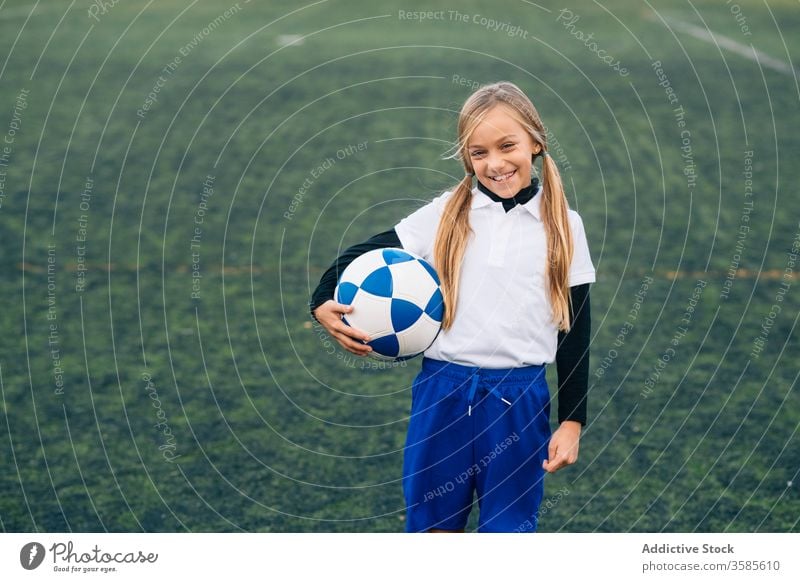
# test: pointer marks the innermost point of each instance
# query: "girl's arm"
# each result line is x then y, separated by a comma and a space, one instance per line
572, 361
327, 284
572, 358
328, 312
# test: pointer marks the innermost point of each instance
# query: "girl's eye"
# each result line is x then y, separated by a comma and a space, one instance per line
508, 145
477, 153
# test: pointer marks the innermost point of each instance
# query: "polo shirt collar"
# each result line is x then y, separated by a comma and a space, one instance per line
482, 196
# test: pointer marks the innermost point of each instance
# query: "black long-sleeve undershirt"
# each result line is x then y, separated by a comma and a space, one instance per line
572, 354
327, 284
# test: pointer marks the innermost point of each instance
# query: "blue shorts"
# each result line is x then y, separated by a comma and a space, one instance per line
476, 429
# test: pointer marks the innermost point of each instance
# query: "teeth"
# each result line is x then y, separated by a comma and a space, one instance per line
503, 177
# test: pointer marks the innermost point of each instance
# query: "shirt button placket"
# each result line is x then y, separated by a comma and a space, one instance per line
501, 231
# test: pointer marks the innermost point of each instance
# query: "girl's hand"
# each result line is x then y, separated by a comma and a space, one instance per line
563, 449
329, 314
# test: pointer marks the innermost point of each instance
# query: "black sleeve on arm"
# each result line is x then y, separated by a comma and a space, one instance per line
572, 358
327, 284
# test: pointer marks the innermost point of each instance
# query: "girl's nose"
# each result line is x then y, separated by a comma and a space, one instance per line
494, 162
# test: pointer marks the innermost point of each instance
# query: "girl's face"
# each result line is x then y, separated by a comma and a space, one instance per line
501, 152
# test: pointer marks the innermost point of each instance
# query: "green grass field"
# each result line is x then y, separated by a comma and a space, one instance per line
178, 175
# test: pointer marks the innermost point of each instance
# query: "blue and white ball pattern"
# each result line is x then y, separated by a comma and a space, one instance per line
396, 299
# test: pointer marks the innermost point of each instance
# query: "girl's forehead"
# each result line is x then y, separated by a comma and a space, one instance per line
497, 123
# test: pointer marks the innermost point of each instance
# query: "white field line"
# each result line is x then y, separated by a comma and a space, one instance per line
741, 49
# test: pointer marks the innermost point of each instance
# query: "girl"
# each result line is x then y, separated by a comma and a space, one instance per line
515, 271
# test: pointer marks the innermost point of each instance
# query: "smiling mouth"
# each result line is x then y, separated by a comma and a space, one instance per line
502, 177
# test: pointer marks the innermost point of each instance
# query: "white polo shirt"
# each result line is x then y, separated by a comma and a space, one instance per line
503, 316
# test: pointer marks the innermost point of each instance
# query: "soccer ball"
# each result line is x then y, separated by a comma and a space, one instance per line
396, 299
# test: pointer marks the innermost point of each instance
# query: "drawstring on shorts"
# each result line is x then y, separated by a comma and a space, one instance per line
474, 387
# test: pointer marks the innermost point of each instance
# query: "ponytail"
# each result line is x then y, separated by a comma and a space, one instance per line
554, 212
451, 242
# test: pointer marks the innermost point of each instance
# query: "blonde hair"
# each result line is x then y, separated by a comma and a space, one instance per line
454, 228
